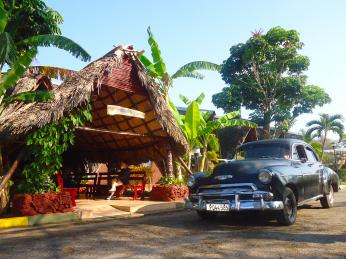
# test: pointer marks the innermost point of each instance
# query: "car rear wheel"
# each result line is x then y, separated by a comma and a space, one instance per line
206, 214
288, 215
327, 201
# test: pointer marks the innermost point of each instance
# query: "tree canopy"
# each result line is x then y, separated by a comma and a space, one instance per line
266, 75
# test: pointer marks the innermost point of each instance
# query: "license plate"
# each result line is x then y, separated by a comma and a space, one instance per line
217, 207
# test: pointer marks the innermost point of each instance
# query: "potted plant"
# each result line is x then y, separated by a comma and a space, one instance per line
169, 189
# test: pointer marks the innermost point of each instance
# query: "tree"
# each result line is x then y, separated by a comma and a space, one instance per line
29, 24
266, 76
26, 25
326, 123
157, 68
199, 129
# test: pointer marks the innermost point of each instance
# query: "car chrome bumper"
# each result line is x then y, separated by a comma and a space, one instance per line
237, 204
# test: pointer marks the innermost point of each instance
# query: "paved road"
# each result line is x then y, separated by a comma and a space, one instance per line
317, 233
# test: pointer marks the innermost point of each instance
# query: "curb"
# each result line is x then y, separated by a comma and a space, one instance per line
77, 216
40, 219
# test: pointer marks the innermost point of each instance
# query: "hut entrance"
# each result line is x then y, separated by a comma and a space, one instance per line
131, 121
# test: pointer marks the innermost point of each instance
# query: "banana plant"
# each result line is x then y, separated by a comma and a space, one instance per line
199, 129
157, 67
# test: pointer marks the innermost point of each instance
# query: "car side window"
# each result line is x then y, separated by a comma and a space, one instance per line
311, 155
299, 153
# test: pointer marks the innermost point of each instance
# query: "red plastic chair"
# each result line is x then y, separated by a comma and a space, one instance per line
71, 191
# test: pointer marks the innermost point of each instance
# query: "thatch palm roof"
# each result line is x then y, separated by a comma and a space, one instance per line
116, 78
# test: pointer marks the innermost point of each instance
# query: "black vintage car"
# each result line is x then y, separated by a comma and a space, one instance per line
275, 175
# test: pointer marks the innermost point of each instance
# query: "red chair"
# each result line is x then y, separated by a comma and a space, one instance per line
71, 191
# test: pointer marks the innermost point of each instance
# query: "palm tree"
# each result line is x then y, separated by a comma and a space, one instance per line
157, 67
326, 123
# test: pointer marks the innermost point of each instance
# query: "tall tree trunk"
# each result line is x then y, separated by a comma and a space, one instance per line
266, 126
189, 160
203, 159
170, 171
4, 184
1, 163
323, 144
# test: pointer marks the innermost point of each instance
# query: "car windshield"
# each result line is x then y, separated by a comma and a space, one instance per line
262, 151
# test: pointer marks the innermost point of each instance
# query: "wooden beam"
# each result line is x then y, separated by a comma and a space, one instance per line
10, 172
119, 110
170, 170
181, 161
125, 133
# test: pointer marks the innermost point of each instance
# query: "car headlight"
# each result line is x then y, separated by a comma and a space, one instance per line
190, 181
265, 176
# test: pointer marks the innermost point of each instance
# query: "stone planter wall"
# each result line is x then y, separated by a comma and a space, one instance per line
32, 204
169, 192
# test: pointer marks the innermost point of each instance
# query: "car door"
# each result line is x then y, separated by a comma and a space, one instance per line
298, 163
312, 175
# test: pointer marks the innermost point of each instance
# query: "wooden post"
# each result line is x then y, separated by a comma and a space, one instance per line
10, 172
181, 161
170, 172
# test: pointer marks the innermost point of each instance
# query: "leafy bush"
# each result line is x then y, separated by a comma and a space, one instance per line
171, 181
45, 148
342, 174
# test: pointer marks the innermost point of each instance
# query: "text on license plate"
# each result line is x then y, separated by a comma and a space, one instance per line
217, 207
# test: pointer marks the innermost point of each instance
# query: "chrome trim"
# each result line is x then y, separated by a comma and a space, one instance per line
310, 199
231, 193
223, 177
253, 186
239, 205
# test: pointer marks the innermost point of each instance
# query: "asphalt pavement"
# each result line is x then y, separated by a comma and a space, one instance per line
317, 233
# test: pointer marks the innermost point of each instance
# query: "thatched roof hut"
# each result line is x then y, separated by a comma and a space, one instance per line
117, 79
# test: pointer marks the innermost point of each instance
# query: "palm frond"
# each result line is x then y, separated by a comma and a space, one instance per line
160, 66
175, 111
29, 97
17, 70
185, 100
229, 116
200, 98
337, 124
313, 122
8, 52
58, 41
52, 72
3, 17
314, 131
196, 65
192, 74
336, 117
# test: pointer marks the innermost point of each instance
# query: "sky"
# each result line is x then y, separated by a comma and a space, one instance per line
190, 30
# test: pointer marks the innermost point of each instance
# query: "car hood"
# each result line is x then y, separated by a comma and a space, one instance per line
242, 171
241, 167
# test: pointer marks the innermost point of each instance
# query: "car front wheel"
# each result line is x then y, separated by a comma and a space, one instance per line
288, 215
327, 201
206, 214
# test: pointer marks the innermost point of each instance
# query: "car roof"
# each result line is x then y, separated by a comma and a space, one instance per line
285, 141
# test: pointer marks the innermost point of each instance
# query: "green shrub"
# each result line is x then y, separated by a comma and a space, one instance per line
168, 180
342, 174
45, 148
